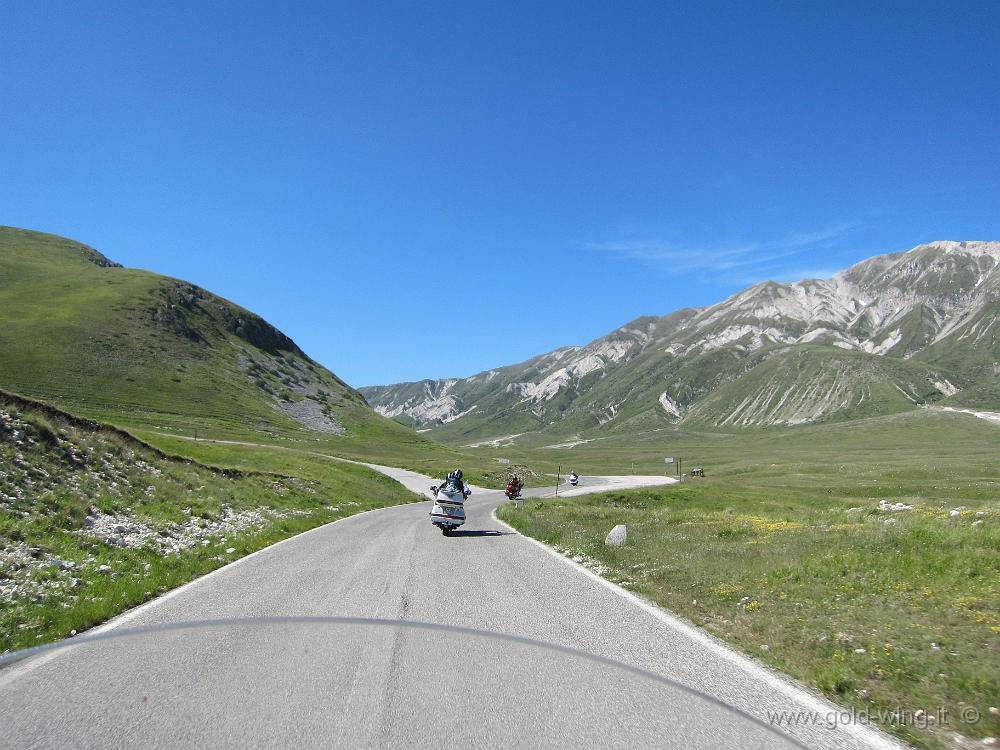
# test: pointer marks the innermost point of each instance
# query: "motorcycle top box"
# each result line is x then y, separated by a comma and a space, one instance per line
448, 511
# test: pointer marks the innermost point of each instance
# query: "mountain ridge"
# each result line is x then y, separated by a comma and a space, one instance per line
933, 307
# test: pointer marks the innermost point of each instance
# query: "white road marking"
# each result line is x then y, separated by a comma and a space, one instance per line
772, 679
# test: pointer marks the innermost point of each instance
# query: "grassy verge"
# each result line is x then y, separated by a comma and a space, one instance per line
93, 523
880, 609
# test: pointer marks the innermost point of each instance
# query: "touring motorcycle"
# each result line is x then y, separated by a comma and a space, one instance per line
448, 511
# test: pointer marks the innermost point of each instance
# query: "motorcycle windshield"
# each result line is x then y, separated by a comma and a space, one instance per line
348, 682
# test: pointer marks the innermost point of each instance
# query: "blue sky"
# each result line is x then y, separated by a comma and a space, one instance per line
424, 190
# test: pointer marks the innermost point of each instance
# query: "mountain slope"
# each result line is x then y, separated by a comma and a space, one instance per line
806, 384
139, 349
913, 327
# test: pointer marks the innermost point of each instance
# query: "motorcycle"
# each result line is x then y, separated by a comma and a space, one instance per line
513, 493
574, 479
448, 511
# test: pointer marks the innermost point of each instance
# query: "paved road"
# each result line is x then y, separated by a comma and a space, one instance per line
340, 684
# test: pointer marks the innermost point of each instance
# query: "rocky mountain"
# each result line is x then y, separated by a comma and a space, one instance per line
888, 334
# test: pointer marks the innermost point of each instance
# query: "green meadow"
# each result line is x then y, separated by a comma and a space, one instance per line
791, 548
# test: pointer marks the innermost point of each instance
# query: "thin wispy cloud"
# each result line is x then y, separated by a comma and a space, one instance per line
778, 259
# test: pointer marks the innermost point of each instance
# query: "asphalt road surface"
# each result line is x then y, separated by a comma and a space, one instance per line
264, 679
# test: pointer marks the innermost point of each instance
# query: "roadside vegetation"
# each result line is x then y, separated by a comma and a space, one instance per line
94, 522
861, 559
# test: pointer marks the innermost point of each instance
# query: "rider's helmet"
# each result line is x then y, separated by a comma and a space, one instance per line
455, 476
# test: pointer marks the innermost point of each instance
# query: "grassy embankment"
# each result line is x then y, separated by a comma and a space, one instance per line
784, 545
67, 489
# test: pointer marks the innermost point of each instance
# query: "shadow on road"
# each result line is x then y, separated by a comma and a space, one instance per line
479, 532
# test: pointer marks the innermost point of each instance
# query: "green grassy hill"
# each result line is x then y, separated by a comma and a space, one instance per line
159, 356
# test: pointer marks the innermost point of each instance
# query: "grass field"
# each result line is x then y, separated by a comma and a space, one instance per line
785, 544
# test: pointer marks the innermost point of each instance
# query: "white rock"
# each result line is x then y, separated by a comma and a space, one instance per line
230, 550
955, 513
884, 505
978, 523
103, 568
617, 536
764, 647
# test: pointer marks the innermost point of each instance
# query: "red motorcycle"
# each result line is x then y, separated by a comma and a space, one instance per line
513, 491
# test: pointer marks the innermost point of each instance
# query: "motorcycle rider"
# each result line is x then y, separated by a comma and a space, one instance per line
514, 486
455, 480
574, 478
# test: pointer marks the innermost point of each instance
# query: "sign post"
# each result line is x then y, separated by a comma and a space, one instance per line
558, 478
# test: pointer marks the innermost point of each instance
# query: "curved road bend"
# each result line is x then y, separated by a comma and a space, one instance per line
354, 686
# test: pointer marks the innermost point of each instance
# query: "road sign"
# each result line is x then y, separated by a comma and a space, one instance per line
669, 459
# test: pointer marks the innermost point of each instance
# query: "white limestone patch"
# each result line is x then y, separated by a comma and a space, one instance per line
885, 344
759, 336
670, 406
495, 442
946, 387
571, 443
586, 365
617, 349
453, 417
611, 411
549, 387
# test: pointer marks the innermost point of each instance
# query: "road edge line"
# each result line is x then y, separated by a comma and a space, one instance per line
773, 678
